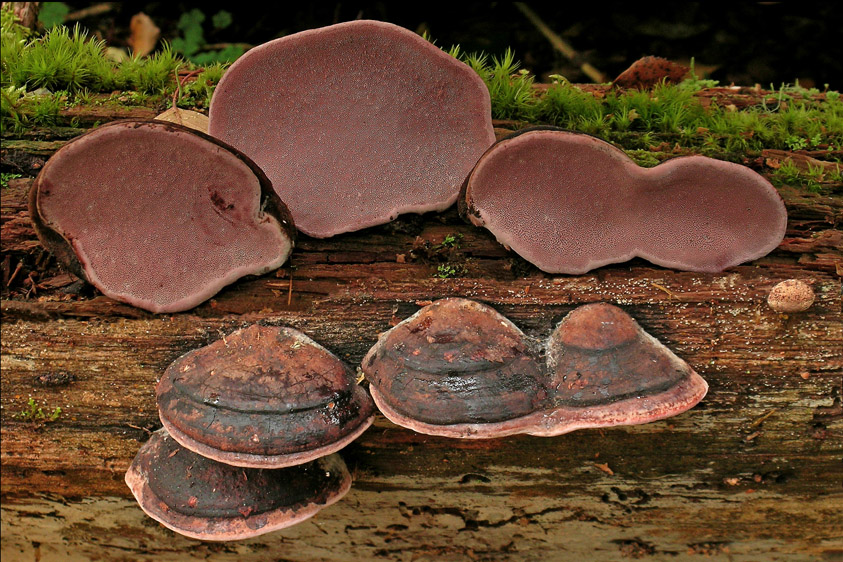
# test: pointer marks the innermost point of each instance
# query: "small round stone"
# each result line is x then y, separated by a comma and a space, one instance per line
792, 295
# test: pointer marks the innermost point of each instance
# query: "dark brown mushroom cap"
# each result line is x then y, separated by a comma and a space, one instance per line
264, 396
605, 370
208, 500
458, 368
355, 123
569, 202
157, 215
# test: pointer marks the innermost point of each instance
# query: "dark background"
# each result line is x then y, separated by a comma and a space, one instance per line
741, 43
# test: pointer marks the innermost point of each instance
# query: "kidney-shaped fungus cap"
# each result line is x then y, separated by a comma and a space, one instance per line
605, 370
208, 500
158, 216
264, 396
569, 202
355, 123
456, 368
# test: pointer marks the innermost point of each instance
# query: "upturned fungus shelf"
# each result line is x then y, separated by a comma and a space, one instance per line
752, 472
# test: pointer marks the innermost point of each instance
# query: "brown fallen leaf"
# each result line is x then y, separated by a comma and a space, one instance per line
185, 117
648, 71
144, 36
605, 468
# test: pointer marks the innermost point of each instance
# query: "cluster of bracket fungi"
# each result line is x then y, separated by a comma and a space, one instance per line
251, 425
334, 130
457, 368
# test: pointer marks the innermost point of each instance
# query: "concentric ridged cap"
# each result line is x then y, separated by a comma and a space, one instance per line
456, 367
208, 500
264, 396
605, 370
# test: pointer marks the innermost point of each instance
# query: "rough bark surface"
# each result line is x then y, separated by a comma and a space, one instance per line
754, 472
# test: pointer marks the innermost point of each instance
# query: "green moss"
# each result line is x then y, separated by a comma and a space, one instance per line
793, 117
789, 118
67, 59
815, 179
644, 158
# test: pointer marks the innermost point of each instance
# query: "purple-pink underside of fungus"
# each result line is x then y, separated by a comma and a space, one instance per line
355, 123
158, 216
569, 203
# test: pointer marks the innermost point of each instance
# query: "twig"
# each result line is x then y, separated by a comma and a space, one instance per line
560, 44
220, 46
760, 420
290, 292
181, 82
95, 10
15, 274
663, 288
133, 426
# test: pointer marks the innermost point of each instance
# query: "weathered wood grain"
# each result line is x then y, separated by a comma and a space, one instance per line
754, 472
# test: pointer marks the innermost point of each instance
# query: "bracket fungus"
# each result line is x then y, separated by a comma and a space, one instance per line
604, 370
158, 216
208, 500
458, 368
355, 123
569, 202
264, 397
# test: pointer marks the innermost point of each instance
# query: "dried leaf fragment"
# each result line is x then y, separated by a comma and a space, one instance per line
144, 36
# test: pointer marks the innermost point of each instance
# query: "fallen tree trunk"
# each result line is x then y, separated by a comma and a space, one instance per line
753, 472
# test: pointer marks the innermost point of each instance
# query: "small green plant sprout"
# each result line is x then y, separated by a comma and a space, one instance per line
192, 44
6, 176
52, 14
795, 143
450, 241
694, 82
446, 271
34, 413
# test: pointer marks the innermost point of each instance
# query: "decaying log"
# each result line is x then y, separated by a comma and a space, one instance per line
753, 472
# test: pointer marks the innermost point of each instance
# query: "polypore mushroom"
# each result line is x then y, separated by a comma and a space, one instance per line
158, 216
456, 368
569, 202
605, 370
208, 500
355, 123
264, 397
791, 296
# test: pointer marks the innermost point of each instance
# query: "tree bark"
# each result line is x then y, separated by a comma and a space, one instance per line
753, 472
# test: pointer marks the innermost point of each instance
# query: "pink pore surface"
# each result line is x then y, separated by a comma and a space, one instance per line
160, 219
569, 203
355, 123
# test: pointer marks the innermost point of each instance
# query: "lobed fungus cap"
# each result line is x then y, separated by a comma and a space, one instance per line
158, 216
569, 202
457, 368
355, 123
